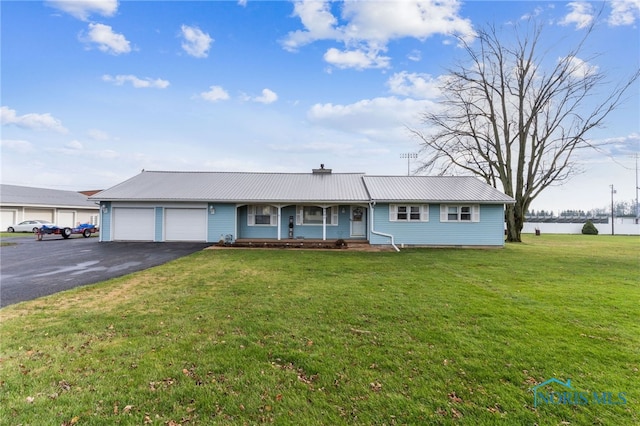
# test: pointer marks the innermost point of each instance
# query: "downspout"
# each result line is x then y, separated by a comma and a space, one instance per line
382, 234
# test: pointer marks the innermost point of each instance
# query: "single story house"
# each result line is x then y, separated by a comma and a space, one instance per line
383, 210
64, 208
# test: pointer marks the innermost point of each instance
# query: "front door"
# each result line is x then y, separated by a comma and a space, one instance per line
358, 226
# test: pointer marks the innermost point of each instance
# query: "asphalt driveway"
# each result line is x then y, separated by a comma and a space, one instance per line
31, 269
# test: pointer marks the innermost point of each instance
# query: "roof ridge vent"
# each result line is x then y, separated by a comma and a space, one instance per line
321, 171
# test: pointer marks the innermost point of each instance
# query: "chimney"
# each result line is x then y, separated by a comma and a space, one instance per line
321, 171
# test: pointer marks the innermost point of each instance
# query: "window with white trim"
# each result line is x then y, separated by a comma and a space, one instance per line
261, 215
459, 213
408, 212
312, 215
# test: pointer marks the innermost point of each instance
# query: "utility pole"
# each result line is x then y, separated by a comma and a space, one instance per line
409, 156
613, 191
637, 187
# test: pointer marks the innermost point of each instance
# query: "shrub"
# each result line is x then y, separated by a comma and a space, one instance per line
340, 243
589, 228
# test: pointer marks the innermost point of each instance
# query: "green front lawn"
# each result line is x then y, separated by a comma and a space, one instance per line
237, 336
15, 234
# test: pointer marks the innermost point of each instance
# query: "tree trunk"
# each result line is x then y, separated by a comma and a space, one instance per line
515, 222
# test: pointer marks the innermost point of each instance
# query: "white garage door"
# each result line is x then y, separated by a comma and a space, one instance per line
133, 224
38, 214
7, 218
185, 224
66, 218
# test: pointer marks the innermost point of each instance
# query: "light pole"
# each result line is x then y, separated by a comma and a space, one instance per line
613, 191
409, 156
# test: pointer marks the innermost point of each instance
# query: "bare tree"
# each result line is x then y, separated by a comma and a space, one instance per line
515, 117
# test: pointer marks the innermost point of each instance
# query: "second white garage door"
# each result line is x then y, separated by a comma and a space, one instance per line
185, 224
133, 224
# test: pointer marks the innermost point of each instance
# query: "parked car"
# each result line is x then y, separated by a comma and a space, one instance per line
29, 226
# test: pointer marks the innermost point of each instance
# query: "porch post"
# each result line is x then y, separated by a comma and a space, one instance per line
324, 223
279, 223
235, 221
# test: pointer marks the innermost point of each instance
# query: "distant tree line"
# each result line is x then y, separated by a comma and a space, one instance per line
620, 209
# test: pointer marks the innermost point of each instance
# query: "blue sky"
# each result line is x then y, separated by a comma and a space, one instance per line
95, 91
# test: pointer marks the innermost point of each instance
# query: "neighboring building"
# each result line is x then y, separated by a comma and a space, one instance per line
64, 208
210, 206
621, 225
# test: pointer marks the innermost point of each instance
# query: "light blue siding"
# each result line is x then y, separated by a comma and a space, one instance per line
221, 223
260, 231
159, 212
489, 231
105, 221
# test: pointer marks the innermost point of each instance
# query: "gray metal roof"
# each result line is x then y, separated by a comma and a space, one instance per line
238, 187
299, 187
28, 196
433, 189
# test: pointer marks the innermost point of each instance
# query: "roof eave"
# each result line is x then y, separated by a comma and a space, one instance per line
444, 201
54, 206
232, 201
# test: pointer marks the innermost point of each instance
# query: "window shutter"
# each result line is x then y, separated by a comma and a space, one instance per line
475, 213
274, 216
299, 215
424, 213
251, 212
334, 215
393, 213
443, 213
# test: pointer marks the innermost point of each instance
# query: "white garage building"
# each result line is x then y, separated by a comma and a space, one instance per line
64, 208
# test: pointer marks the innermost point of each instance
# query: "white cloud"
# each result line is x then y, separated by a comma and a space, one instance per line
620, 147
242, 3
108, 154
357, 59
420, 19
415, 55
536, 12
318, 21
371, 25
267, 97
336, 147
136, 82
370, 116
19, 146
414, 85
81, 9
106, 40
624, 12
215, 94
581, 15
31, 121
98, 135
578, 68
74, 145
196, 42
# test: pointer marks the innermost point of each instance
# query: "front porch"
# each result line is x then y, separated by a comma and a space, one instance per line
293, 223
311, 243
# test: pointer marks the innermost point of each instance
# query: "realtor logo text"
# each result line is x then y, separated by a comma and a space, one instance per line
569, 396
